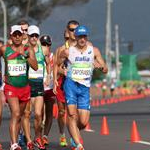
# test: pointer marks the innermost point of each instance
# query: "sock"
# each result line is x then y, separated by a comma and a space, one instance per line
62, 135
45, 136
79, 145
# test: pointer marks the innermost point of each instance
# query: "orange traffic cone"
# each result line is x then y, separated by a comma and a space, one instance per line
55, 111
88, 128
135, 137
104, 128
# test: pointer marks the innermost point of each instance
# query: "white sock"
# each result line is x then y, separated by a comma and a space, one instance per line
45, 136
62, 135
79, 145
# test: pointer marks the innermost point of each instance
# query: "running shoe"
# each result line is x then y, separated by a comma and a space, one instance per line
22, 140
79, 147
63, 141
73, 148
1, 147
39, 144
30, 146
15, 146
45, 140
73, 144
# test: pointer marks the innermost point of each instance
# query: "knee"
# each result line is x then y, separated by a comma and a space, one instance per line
72, 117
82, 125
16, 115
38, 115
61, 113
27, 114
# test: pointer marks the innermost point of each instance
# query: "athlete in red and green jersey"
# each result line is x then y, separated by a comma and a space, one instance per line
16, 73
17, 91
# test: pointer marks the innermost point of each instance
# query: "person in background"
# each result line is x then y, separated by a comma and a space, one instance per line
104, 88
59, 77
49, 96
24, 26
112, 88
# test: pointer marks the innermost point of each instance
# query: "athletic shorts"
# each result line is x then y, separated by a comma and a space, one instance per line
60, 92
37, 88
48, 95
22, 93
77, 94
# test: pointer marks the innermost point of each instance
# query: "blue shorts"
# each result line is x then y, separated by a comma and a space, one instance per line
77, 94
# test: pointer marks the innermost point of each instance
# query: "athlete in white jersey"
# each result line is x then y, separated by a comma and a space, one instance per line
81, 59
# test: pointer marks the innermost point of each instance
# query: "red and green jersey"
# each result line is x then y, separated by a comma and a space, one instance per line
16, 67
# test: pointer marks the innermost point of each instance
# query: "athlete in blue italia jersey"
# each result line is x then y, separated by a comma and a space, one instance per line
81, 60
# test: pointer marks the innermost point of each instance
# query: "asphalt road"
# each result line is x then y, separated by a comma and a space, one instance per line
119, 116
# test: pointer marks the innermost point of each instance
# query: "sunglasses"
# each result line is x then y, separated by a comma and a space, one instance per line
15, 34
71, 29
34, 35
25, 30
46, 44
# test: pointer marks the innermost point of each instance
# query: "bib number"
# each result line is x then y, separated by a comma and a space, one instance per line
17, 69
81, 73
36, 74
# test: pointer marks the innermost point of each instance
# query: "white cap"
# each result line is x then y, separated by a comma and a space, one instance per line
33, 29
15, 28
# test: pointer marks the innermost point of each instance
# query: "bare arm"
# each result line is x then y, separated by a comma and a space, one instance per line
99, 60
63, 53
32, 59
55, 67
58, 62
2, 50
46, 53
2, 72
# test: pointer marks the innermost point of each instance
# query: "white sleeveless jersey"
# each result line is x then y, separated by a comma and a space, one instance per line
51, 75
80, 65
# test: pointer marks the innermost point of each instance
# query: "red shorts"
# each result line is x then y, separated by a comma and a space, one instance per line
60, 93
22, 93
48, 94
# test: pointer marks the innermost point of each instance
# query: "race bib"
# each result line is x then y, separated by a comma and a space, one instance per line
17, 69
36, 74
81, 73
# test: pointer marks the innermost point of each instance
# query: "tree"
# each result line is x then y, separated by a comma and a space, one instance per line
35, 10
144, 63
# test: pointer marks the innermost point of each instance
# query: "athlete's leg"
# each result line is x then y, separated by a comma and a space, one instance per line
72, 123
62, 123
49, 115
83, 120
1, 107
26, 121
15, 117
22, 106
38, 107
61, 117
